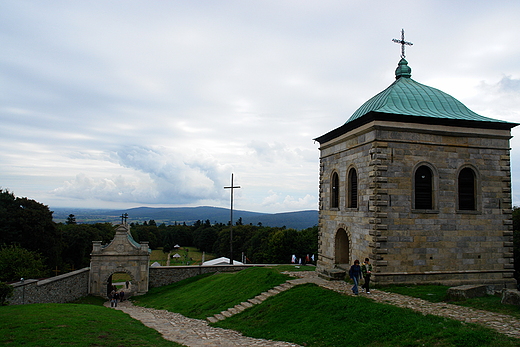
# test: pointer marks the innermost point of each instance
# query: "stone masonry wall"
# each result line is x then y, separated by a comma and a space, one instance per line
441, 245
59, 289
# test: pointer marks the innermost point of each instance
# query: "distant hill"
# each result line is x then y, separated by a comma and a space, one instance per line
171, 215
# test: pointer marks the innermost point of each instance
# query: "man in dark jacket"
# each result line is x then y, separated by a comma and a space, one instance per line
355, 274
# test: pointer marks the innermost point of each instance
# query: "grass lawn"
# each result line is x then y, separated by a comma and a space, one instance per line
313, 316
75, 325
439, 293
206, 295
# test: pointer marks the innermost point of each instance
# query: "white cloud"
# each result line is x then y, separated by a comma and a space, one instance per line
112, 103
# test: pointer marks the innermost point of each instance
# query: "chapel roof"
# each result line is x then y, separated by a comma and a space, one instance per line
408, 97
406, 100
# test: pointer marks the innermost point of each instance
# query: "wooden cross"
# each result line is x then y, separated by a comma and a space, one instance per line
124, 217
402, 42
231, 224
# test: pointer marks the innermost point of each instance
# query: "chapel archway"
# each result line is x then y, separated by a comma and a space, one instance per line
342, 249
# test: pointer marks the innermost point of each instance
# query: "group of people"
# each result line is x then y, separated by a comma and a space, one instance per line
116, 296
357, 272
309, 259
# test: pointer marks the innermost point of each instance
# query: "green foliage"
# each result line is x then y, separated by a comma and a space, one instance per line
206, 295
73, 325
6, 291
17, 262
29, 224
71, 219
77, 242
67, 246
312, 316
267, 245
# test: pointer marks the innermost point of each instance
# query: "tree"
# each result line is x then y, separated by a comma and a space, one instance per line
17, 262
29, 224
71, 219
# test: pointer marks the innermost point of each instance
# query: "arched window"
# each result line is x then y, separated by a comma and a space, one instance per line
352, 189
334, 191
467, 189
423, 188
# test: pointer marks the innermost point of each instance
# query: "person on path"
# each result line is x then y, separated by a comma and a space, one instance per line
121, 295
355, 274
366, 269
116, 297
113, 298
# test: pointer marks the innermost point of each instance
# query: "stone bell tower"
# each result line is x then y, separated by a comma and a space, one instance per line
421, 185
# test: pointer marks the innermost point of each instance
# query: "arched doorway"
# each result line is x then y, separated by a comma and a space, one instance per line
120, 281
342, 250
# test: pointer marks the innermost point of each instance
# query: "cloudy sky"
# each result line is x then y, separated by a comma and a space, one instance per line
116, 104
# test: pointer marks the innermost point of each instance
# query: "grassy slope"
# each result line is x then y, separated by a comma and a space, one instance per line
73, 324
439, 294
314, 316
206, 295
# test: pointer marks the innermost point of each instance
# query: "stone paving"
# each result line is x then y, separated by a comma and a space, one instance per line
196, 332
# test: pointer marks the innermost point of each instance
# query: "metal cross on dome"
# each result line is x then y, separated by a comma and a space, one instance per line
402, 42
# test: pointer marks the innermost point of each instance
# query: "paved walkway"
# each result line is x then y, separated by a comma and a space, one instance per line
191, 332
196, 332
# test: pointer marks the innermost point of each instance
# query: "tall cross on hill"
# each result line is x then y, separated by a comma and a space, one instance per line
231, 223
402, 42
124, 217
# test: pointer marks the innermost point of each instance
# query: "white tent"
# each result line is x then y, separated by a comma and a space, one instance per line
221, 261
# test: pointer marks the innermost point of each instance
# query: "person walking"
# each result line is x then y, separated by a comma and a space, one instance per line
366, 269
113, 301
355, 274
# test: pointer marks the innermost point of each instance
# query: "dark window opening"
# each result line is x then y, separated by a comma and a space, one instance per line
467, 189
334, 202
423, 188
353, 188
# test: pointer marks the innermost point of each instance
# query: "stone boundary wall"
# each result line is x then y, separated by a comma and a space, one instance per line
163, 275
59, 289
74, 285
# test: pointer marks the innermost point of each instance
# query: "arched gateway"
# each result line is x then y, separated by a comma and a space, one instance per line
122, 254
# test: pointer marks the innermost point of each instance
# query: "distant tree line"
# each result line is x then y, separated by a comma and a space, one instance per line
32, 245
261, 245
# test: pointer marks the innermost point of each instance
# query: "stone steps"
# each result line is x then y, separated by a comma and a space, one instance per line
250, 302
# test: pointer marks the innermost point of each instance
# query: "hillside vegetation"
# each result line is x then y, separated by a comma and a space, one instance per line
307, 315
312, 316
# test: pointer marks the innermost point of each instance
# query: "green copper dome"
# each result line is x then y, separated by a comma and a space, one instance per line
410, 98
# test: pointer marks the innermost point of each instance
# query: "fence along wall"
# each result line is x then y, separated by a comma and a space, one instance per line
59, 289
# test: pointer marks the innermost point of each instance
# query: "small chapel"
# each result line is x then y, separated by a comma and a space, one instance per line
421, 185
